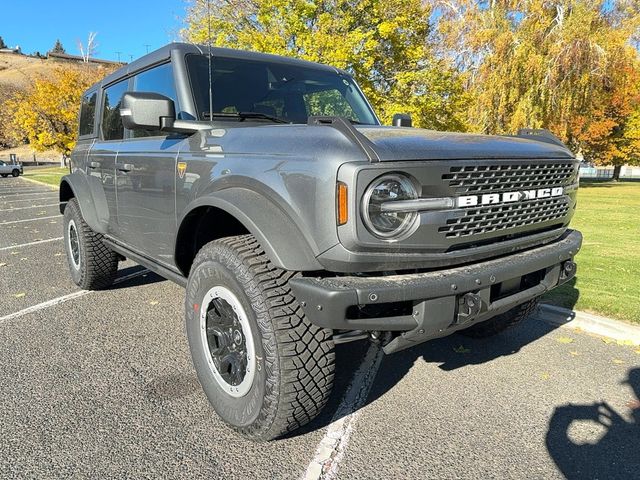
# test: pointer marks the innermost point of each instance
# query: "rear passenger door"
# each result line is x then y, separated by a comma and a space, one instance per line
145, 174
102, 159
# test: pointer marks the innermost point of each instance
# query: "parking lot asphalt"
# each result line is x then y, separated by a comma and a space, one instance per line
101, 384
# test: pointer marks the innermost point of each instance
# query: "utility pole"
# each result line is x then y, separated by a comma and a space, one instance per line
130, 58
147, 46
118, 56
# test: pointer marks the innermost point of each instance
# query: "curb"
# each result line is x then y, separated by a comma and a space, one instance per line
605, 327
52, 187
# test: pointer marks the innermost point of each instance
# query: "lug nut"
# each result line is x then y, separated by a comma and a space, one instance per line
373, 297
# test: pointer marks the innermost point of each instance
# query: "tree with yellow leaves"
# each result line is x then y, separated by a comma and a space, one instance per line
384, 44
568, 65
47, 112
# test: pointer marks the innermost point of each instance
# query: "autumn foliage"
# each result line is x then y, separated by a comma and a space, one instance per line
46, 114
490, 66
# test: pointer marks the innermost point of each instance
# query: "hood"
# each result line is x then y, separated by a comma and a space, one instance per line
394, 144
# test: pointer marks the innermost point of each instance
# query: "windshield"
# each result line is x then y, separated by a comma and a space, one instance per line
283, 91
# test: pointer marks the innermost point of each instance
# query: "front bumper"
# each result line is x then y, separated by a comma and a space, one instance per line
441, 301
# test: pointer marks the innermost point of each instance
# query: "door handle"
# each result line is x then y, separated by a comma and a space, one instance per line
124, 167
94, 165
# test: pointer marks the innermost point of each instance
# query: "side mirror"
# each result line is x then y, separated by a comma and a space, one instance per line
402, 120
146, 110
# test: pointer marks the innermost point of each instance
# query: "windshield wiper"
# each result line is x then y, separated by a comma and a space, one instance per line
245, 115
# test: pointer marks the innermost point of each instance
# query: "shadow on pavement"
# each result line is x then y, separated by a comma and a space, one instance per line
450, 353
146, 278
615, 455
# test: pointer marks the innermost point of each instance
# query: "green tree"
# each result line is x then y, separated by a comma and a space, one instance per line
385, 45
2, 44
58, 48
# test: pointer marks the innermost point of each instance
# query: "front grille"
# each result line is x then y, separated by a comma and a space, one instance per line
509, 177
480, 220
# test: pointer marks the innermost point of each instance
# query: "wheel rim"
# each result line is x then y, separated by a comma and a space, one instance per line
74, 244
227, 341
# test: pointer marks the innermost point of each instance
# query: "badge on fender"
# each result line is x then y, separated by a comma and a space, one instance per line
182, 168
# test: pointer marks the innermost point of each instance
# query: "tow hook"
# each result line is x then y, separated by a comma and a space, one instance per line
469, 306
568, 270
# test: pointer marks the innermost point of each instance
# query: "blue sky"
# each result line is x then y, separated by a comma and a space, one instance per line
122, 26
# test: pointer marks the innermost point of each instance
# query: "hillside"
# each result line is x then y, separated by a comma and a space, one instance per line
20, 70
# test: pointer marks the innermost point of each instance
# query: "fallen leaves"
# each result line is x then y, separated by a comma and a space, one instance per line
154, 302
19, 295
564, 340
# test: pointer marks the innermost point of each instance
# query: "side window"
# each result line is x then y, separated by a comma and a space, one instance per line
88, 113
157, 80
328, 102
112, 128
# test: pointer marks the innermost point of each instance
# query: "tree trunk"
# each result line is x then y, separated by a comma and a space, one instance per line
616, 172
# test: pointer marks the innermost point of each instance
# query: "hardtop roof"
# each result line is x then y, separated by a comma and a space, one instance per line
164, 53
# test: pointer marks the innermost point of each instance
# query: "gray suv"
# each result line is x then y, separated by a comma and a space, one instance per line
267, 187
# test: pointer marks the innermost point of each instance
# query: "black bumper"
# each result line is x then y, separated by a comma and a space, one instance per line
441, 301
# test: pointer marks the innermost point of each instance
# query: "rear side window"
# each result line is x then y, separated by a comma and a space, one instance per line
157, 80
88, 113
112, 128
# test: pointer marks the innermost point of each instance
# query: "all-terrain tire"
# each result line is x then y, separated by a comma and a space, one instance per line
501, 322
15, 173
92, 264
294, 373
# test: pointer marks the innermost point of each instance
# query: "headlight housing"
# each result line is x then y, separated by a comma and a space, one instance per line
389, 225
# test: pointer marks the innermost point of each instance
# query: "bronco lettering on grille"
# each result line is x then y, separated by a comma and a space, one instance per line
508, 197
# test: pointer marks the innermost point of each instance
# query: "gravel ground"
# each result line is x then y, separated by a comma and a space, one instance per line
102, 386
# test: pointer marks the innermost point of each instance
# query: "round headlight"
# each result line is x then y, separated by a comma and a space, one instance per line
389, 224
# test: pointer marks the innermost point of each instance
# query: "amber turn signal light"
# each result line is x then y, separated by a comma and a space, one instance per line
343, 208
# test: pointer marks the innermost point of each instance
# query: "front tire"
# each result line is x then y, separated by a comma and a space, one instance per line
501, 322
263, 366
93, 266
15, 173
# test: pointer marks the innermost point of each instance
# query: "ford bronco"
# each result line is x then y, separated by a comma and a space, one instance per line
267, 187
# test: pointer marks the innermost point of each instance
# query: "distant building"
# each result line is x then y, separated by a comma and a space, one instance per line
16, 50
78, 58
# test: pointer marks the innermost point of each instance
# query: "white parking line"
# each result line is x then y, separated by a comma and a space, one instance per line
30, 220
33, 206
333, 445
65, 298
29, 199
14, 193
31, 243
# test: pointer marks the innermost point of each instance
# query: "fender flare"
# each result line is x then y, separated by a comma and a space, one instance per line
93, 208
277, 232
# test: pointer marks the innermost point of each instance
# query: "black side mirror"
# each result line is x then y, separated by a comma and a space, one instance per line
146, 110
402, 120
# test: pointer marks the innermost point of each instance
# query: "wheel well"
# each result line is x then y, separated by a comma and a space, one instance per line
201, 226
66, 194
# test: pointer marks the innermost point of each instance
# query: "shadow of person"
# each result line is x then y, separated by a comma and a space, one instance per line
615, 455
